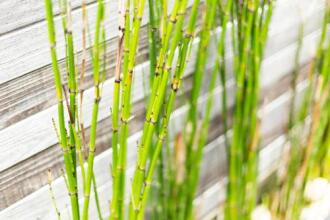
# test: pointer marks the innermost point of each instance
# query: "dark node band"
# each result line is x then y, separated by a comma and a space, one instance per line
92, 151
124, 121
72, 193
173, 20
97, 100
188, 35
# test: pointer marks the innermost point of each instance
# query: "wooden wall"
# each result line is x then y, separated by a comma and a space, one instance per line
27, 103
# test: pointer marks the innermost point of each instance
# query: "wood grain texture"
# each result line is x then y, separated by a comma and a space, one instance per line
30, 176
34, 91
214, 149
29, 11
27, 49
27, 101
36, 133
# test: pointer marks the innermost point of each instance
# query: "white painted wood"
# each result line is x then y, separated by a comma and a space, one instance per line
34, 134
29, 12
27, 49
34, 92
38, 204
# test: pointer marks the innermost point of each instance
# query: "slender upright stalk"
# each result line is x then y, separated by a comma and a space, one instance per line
138, 203
123, 13
195, 145
158, 90
61, 120
97, 99
130, 49
249, 36
67, 28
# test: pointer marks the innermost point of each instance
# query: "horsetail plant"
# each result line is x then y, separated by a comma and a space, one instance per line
308, 133
249, 36
97, 98
183, 187
196, 152
130, 47
73, 141
138, 202
123, 39
68, 160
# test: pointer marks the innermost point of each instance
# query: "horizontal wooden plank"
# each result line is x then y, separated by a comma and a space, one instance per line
29, 12
277, 60
22, 56
36, 133
214, 149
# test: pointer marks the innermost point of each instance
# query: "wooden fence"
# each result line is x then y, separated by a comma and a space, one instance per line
27, 103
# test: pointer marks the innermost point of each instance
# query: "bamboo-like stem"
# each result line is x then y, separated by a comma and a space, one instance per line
184, 51
67, 28
126, 102
175, 18
194, 156
158, 90
193, 176
58, 84
220, 65
123, 13
318, 123
152, 37
249, 37
210, 12
236, 149
81, 128
97, 98
295, 78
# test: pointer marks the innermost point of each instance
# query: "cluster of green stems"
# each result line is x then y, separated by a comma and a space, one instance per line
175, 44
170, 37
251, 20
182, 180
71, 135
308, 132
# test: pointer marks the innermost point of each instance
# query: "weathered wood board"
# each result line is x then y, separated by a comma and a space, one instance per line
27, 101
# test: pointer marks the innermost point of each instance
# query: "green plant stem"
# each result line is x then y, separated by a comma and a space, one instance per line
149, 127
97, 98
57, 76
157, 94
193, 176
249, 41
126, 102
124, 15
